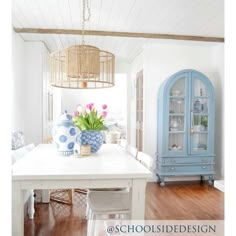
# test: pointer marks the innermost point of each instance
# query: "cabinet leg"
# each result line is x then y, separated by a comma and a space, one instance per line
162, 182
158, 178
201, 180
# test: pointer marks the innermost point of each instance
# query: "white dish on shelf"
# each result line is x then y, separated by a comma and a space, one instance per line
198, 148
175, 148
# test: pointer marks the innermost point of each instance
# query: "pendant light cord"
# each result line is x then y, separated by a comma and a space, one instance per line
84, 18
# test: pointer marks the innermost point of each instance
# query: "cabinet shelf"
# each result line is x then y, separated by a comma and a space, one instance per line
176, 132
200, 113
176, 114
200, 132
200, 97
177, 97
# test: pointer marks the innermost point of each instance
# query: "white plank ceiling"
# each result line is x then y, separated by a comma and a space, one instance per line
179, 17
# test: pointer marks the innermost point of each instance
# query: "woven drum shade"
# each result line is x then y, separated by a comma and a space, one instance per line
81, 67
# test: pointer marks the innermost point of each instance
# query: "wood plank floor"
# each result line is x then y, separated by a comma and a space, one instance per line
192, 201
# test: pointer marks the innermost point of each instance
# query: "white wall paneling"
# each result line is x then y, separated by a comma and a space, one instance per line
33, 89
30, 68
17, 120
217, 58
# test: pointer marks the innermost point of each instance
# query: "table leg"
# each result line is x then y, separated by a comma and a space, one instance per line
17, 210
31, 205
138, 199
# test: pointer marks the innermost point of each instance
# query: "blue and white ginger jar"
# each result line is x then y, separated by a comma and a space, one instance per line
64, 134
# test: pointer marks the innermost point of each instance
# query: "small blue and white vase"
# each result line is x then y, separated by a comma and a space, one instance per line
64, 134
93, 138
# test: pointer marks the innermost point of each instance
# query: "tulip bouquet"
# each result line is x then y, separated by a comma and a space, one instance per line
89, 118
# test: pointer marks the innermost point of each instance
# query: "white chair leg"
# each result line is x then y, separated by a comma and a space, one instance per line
91, 225
89, 214
87, 211
31, 210
96, 226
126, 216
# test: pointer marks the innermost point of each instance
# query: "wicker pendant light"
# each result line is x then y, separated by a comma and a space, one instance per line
82, 66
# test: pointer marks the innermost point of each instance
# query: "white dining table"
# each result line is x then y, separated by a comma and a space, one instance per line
110, 167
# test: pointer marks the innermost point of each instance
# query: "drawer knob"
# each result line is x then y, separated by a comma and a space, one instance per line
172, 168
203, 167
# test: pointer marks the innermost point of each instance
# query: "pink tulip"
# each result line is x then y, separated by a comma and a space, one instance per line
104, 106
104, 114
90, 106
76, 113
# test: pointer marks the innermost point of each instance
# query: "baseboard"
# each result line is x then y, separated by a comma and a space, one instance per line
219, 184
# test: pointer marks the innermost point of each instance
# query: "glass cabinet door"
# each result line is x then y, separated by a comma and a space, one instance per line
199, 117
177, 110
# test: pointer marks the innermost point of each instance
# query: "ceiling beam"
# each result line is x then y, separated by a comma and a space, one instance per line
118, 34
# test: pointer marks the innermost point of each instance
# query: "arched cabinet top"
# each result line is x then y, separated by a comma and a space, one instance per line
190, 74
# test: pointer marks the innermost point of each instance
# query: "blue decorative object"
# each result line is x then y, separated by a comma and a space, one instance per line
64, 134
91, 137
197, 106
17, 139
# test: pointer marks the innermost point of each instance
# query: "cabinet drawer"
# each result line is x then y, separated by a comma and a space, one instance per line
186, 160
198, 168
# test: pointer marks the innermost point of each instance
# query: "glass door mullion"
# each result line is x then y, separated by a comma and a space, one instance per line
189, 115
199, 127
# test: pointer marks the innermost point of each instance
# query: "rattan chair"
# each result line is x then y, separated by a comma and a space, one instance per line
60, 195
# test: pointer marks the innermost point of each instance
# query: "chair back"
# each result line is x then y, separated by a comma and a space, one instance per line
133, 151
122, 143
20, 152
145, 160
17, 139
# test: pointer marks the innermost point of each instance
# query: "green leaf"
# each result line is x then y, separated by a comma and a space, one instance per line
89, 121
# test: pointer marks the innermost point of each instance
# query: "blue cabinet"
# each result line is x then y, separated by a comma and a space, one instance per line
186, 110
